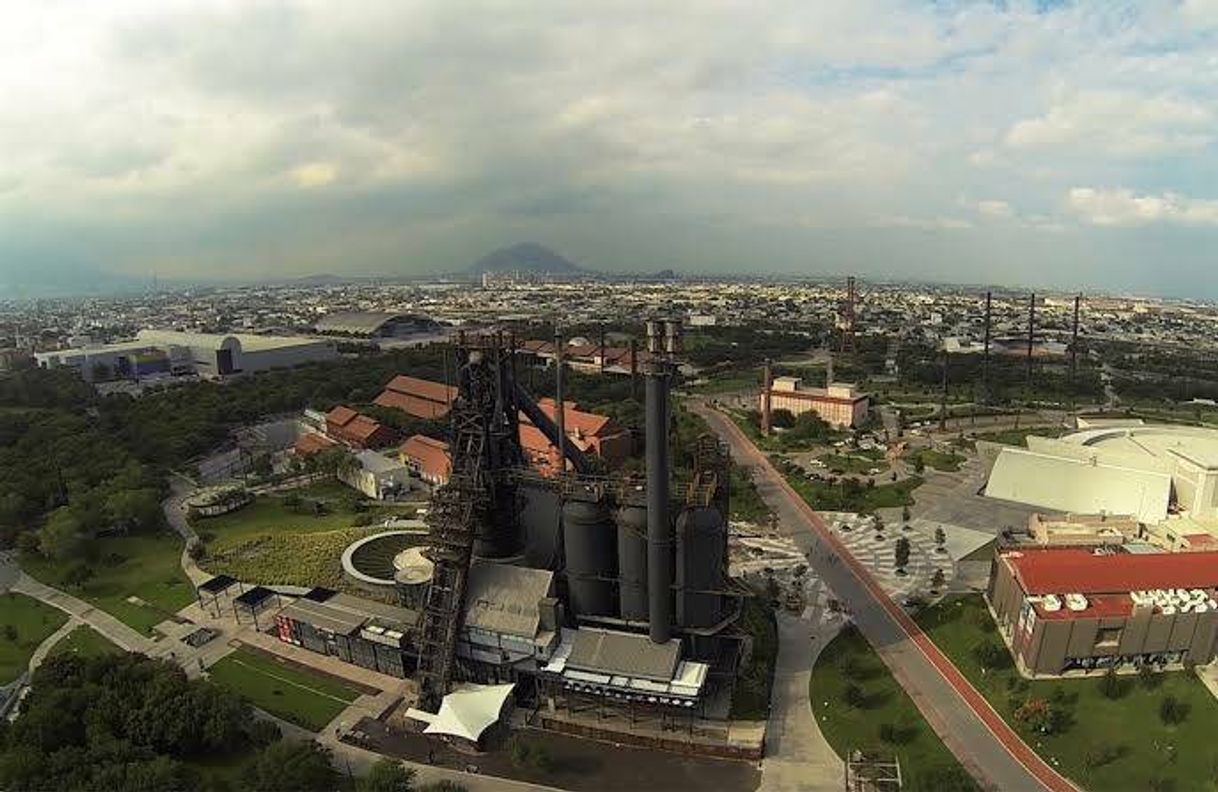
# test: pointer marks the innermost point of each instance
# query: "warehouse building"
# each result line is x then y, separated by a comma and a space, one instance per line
1074, 609
367, 633
427, 458
356, 430
159, 353
378, 325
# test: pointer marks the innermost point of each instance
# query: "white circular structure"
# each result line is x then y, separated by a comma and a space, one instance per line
413, 568
371, 561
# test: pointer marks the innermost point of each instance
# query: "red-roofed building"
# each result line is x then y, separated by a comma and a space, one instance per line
1067, 609
359, 431
418, 398
311, 443
595, 435
427, 457
591, 358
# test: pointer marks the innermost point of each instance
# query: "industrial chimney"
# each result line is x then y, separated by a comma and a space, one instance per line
767, 383
663, 341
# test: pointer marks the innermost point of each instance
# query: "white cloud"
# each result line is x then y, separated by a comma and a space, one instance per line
1122, 207
995, 209
1117, 124
314, 174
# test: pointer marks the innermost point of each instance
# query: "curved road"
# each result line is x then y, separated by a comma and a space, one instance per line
983, 742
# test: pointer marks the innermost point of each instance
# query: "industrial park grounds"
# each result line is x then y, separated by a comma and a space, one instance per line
576, 764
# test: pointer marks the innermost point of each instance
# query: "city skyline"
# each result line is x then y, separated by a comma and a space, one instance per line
1054, 145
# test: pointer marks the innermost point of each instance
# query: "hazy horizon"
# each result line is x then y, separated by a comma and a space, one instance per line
1040, 144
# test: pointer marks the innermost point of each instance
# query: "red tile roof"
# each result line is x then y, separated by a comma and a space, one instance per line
578, 422
341, 415
311, 443
1065, 570
430, 455
417, 397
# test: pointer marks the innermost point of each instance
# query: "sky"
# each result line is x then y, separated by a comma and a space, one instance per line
1058, 144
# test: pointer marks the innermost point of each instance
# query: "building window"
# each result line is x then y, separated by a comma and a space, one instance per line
1108, 637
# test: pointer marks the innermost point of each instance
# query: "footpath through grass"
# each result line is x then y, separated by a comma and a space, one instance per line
84, 641
848, 494
309, 700
860, 707
144, 566
1112, 743
24, 624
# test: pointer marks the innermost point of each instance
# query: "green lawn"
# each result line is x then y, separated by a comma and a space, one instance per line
1107, 744
24, 623
854, 464
306, 699
879, 718
939, 460
146, 566
84, 641
854, 496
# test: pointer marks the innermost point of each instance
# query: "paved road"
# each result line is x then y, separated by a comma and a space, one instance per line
991, 751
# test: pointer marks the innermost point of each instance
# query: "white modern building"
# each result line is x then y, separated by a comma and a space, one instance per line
156, 353
1116, 468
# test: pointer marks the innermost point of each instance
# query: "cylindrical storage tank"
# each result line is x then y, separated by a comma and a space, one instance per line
632, 562
497, 535
590, 547
541, 520
701, 549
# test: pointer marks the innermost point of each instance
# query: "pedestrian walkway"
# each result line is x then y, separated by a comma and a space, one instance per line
113, 629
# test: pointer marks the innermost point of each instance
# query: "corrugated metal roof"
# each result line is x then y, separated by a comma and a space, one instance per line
355, 322
627, 654
504, 599
323, 617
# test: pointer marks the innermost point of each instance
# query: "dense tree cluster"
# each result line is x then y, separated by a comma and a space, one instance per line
123, 722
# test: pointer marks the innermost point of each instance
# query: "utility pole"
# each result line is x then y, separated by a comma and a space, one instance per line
1031, 337
767, 381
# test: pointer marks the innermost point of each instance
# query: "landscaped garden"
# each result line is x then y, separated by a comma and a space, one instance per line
860, 707
1152, 731
293, 538
24, 623
849, 494
939, 460
138, 578
307, 699
1019, 437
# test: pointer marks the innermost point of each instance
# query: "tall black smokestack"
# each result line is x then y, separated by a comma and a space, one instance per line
661, 342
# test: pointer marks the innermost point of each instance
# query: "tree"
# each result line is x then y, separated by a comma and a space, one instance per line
852, 696
61, 537
904, 509
387, 775
991, 655
134, 510
919, 465
291, 766
940, 538
782, 419
1112, 686
901, 553
938, 580
78, 574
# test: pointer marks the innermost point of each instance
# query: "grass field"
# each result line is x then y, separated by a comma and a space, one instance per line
84, 641
877, 717
308, 700
24, 623
146, 566
939, 460
852, 464
854, 497
1110, 744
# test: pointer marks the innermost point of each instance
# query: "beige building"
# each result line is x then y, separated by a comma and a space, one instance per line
1082, 530
839, 405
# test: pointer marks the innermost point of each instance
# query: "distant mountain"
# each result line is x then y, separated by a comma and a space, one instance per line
526, 257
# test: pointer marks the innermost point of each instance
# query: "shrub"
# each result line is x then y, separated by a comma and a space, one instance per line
1112, 686
852, 696
1172, 710
991, 656
1103, 753
78, 574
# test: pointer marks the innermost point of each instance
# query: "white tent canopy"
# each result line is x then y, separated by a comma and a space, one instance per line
466, 712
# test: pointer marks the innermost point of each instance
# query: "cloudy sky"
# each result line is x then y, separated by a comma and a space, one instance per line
1038, 143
